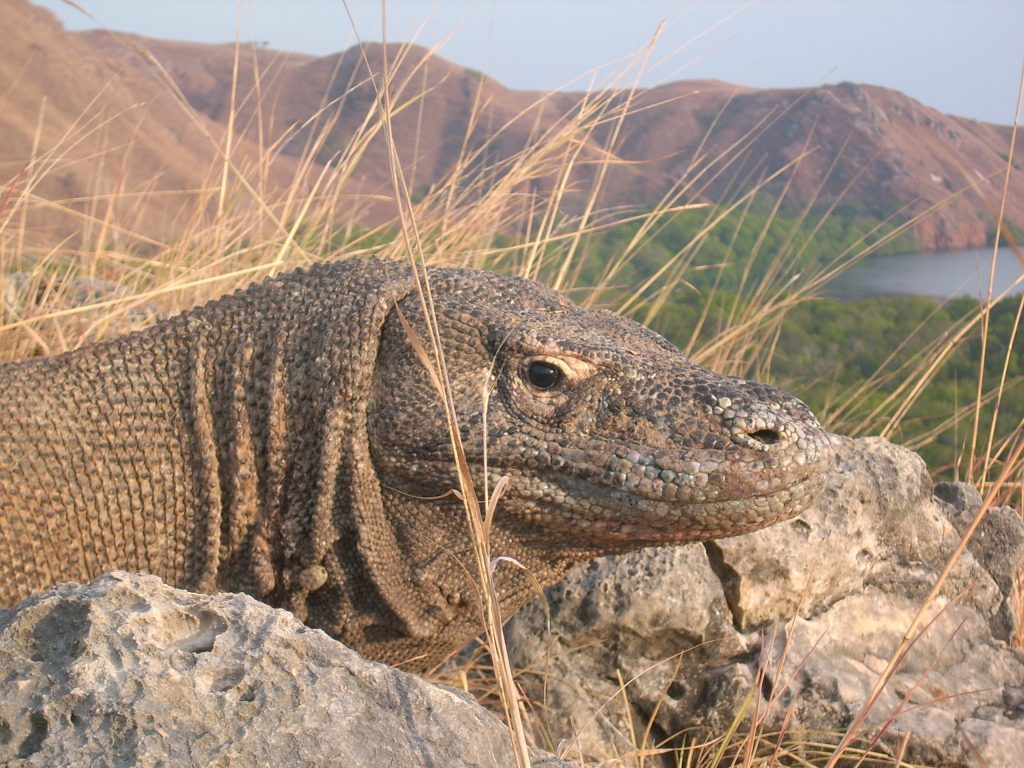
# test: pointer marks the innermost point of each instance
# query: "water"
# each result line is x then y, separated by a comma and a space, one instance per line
939, 275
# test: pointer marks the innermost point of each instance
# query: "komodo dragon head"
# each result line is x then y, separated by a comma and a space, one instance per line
611, 437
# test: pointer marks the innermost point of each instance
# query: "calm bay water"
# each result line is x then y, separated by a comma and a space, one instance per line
940, 275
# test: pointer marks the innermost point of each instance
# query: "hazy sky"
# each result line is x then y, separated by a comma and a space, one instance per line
960, 56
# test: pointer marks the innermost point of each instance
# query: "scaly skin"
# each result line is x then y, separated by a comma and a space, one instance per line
287, 442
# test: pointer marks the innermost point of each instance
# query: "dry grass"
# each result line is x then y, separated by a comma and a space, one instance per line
114, 276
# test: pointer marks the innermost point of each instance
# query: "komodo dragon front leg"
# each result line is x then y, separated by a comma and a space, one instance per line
287, 442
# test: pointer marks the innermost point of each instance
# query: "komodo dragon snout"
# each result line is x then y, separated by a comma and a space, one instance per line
287, 441
611, 437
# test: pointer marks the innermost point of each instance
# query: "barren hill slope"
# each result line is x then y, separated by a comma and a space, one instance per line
78, 128
875, 150
871, 150
443, 112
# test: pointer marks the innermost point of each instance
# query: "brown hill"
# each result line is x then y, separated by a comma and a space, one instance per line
871, 150
302, 96
80, 131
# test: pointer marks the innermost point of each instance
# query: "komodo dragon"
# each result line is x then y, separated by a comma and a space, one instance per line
286, 441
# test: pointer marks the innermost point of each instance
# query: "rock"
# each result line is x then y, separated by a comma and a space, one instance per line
963, 497
819, 603
954, 675
998, 545
128, 671
876, 524
23, 292
619, 627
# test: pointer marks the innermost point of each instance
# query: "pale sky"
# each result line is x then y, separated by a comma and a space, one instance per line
963, 57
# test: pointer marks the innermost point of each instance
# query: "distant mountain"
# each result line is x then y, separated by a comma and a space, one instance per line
870, 150
79, 124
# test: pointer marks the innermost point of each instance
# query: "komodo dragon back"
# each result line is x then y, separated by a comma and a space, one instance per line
286, 441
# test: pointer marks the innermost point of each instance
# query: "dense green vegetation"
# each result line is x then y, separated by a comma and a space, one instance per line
829, 349
736, 248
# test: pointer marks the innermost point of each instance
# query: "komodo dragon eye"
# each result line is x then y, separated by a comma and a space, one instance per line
543, 375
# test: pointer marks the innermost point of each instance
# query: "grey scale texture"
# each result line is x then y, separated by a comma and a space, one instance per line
287, 442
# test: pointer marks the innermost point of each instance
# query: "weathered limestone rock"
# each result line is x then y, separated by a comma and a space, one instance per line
127, 671
998, 545
130, 672
959, 694
820, 603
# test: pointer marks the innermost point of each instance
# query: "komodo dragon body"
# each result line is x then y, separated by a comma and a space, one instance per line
286, 441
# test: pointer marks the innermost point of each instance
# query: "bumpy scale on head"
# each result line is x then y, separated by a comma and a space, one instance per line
610, 435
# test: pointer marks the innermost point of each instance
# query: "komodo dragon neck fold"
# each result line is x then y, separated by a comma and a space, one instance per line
286, 442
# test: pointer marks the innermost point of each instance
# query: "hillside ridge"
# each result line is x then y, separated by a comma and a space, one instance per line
867, 150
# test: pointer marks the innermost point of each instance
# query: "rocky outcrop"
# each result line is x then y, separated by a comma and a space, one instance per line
130, 672
795, 623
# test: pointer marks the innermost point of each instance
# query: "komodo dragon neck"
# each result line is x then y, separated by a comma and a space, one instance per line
286, 442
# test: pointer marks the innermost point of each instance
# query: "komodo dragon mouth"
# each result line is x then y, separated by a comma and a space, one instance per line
638, 517
773, 468
601, 490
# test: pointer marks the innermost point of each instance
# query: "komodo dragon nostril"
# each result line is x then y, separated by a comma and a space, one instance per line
766, 436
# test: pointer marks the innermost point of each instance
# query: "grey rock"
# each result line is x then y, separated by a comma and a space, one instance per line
954, 676
966, 499
618, 627
130, 672
819, 604
876, 524
998, 544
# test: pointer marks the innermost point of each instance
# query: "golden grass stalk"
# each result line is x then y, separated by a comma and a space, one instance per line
479, 524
